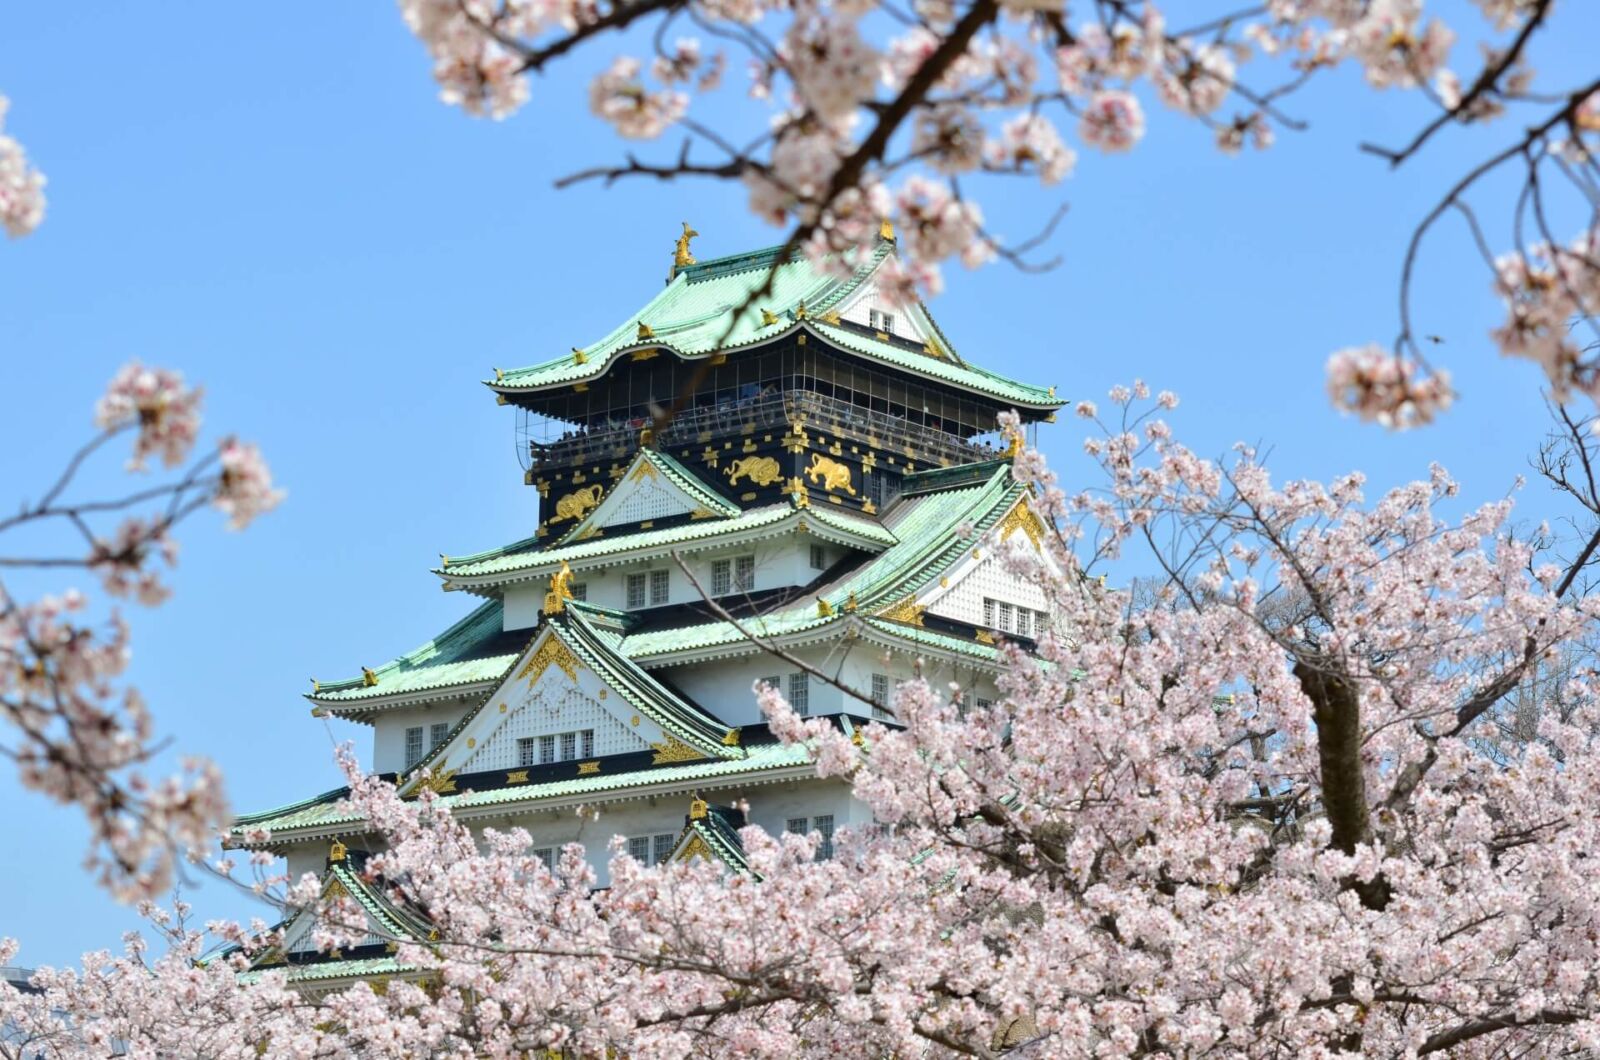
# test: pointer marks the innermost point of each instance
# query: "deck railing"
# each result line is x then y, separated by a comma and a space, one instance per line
881, 429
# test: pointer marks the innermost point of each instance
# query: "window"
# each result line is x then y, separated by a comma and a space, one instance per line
744, 573
1023, 624
773, 681
569, 746
988, 612
800, 693
659, 580
547, 750
661, 847
984, 704
721, 577
580, 590
548, 856
636, 589
437, 732
880, 697
1005, 617
586, 743
639, 849
881, 321
819, 558
413, 745
797, 826
824, 824
527, 752
877, 484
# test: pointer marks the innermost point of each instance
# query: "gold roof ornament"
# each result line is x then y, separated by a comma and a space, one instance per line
680, 253
368, 678
579, 357
698, 808
498, 375
886, 230
1052, 391
732, 739
337, 851
555, 601
850, 604
316, 686
800, 310
768, 318
831, 317
1014, 447
645, 332
824, 609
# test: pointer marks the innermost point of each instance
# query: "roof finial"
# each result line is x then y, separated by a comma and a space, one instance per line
697, 808
368, 678
681, 255
337, 851
886, 230
555, 601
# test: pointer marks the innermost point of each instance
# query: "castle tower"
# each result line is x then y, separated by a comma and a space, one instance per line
809, 464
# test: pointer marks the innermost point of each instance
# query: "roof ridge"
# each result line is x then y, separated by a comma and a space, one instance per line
416, 655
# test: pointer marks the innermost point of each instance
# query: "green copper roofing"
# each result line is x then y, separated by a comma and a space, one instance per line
337, 815
668, 468
475, 649
693, 317
719, 836
528, 558
927, 530
367, 968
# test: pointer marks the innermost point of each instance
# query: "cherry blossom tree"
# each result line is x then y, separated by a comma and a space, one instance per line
862, 112
1247, 813
75, 730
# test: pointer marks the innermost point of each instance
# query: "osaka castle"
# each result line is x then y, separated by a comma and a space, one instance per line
804, 488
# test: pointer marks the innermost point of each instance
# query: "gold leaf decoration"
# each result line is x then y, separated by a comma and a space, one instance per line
830, 473
907, 611
672, 749
762, 470
578, 503
551, 651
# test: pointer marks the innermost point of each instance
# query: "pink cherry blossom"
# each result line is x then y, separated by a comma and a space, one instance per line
246, 490
21, 185
1113, 121
156, 402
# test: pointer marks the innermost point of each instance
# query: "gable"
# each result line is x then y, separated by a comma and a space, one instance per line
858, 306
653, 487
960, 593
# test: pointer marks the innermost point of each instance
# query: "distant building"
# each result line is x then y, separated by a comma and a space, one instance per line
825, 466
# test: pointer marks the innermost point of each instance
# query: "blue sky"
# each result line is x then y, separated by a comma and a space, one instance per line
280, 207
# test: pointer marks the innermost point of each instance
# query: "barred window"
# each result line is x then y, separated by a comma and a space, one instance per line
659, 581
988, 612
661, 847
721, 577
437, 732
983, 703
774, 681
796, 826
819, 558
586, 743
880, 697
580, 590
800, 693
824, 824
639, 848
744, 573
413, 745
527, 752
569, 746
1005, 617
1023, 621
547, 750
548, 856
636, 590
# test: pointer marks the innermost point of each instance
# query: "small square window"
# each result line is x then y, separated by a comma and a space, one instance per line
744, 574
819, 558
636, 590
800, 693
796, 826
659, 582
721, 577
413, 745
527, 752
580, 590
639, 848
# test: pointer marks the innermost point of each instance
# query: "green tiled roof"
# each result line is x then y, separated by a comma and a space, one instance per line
528, 556
475, 649
693, 318
671, 470
368, 968
928, 539
336, 814
935, 639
